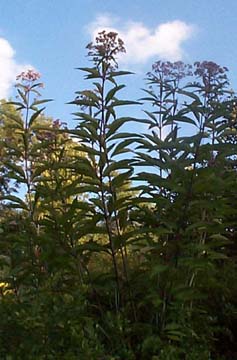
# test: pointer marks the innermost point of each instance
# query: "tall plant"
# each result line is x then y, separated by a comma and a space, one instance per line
186, 195
105, 173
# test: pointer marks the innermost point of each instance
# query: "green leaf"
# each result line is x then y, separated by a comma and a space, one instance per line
23, 96
116, 124
85, 102
124, 102
120, 179
35, 116
184, 119
19, 203
93, 72
114, 166
15, 117
120, 73
151, 116
87, 117
112, 92
39, 102
85, 169
191, 95
121, 147
122, 135
87, 149
16, 168
92, 129
84, 134
91, 96
17, 103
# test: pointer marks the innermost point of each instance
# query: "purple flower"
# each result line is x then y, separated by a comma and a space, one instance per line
107, 45
211, 73
173, 71
29, 75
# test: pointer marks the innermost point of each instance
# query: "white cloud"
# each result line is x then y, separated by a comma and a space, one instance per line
9, 68
142, 43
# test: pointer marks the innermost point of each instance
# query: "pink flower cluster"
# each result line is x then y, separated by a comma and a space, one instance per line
107, 45
211, 73
29, 75
171, 70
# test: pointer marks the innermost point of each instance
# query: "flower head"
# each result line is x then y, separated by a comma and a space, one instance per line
29, 75
210, 72
170, 71
107, 45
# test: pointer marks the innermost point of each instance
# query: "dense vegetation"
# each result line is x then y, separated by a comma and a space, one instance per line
124, 244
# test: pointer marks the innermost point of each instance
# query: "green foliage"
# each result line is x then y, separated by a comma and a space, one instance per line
123, 245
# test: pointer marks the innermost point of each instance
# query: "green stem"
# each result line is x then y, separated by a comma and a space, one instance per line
103, 151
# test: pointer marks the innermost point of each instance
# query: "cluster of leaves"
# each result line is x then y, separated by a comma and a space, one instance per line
124, 245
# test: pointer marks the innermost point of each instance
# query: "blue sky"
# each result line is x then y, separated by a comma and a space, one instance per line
51, 35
